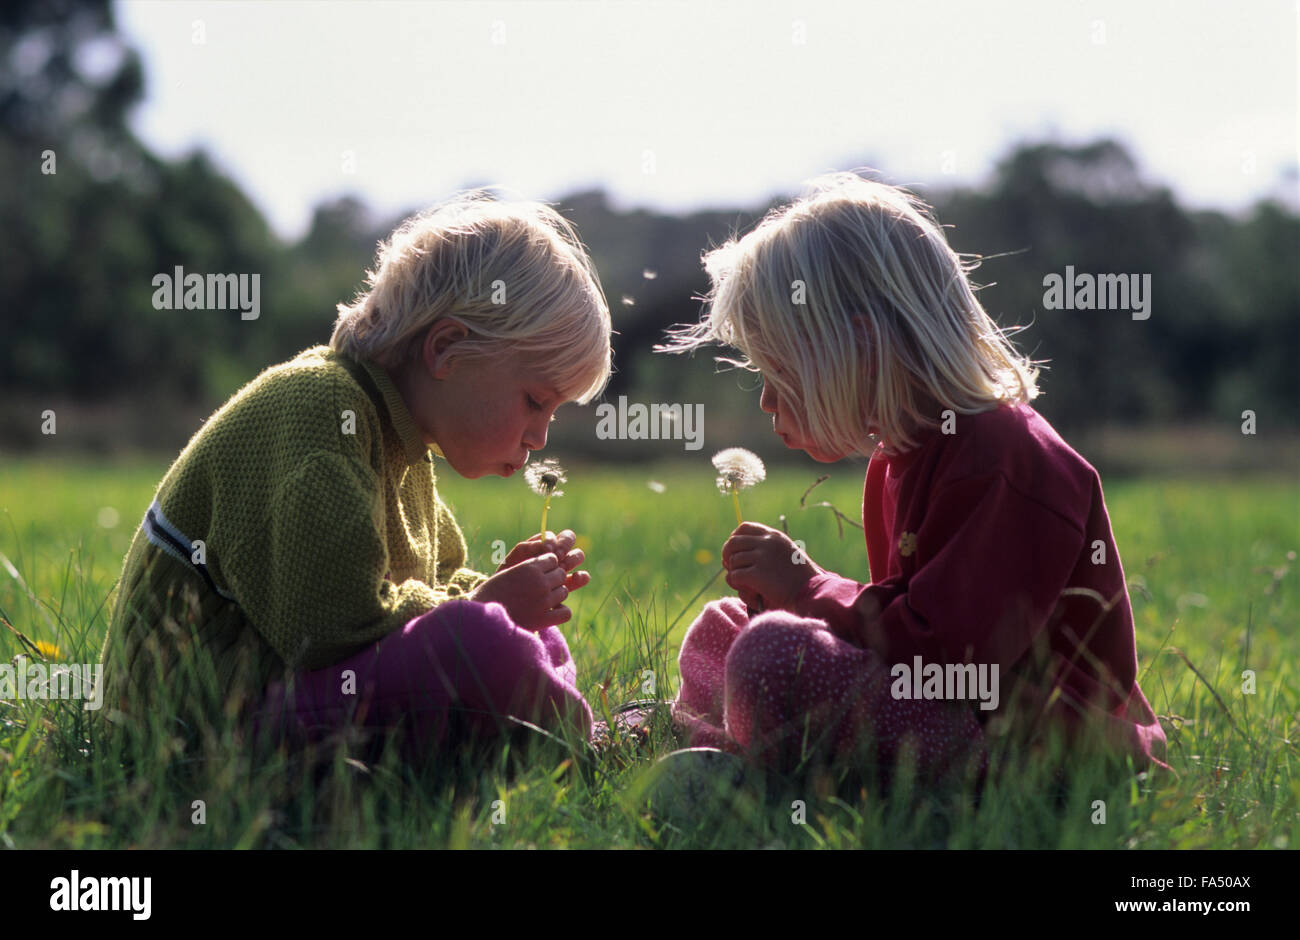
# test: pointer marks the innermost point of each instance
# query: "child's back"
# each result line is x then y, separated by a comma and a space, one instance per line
992, 545
234, 537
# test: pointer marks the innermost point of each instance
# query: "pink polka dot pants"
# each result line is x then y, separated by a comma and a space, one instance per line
786, 692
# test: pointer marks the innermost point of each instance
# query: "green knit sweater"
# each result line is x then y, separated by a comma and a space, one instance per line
298, 526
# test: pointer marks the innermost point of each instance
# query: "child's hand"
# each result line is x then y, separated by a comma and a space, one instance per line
562, 546
765, 567
532, 591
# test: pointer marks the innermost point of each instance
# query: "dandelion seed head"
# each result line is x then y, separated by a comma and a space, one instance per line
738, 469
544, 477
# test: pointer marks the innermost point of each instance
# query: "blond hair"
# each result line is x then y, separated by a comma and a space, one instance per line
852, 303
514, 273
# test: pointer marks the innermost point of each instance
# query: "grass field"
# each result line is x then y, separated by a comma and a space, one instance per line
1210, 566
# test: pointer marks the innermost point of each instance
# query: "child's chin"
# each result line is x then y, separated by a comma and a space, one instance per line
473, 473
822, 457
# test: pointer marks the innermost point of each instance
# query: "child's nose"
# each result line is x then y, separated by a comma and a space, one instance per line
535, 438
767, 401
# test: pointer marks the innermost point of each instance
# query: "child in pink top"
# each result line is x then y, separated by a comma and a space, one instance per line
997, 604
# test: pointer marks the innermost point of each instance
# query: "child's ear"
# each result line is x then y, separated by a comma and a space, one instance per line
439, 349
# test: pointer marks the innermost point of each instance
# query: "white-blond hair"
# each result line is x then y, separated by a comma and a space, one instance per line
514, 273
852, 303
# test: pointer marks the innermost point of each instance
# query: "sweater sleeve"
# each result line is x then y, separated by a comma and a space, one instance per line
460, 580
990, 566
313, 580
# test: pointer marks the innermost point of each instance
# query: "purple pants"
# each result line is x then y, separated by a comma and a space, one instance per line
462, 664
784, 690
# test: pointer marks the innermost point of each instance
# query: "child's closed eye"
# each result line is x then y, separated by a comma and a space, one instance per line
535, 405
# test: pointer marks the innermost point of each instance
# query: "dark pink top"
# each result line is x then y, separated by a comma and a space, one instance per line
972, 538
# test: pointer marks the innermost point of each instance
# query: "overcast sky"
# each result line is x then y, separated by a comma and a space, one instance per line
679, 105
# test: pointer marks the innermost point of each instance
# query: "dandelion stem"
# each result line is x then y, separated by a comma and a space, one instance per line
735, 499
543, 479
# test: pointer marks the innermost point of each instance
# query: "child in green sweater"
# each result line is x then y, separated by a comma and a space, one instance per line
297, 569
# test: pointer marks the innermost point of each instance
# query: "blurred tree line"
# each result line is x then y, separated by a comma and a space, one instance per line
82, 245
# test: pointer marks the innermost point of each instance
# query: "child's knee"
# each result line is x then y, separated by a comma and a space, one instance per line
703, 657
718, 624
467, 632
773, 642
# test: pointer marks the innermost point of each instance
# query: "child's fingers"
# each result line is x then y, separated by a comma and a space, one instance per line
737, 543
552, 574
743, 578
573, 559
541, 573
745, 559
576, 580
552, 618
749, 586
522, 552
558, 543
748, 595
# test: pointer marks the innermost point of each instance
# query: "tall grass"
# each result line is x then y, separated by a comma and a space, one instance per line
1211, 572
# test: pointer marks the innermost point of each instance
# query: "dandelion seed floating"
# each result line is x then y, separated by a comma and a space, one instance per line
544, 477
738, 469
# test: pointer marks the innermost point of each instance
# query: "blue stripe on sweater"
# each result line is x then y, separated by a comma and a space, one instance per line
160, 531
